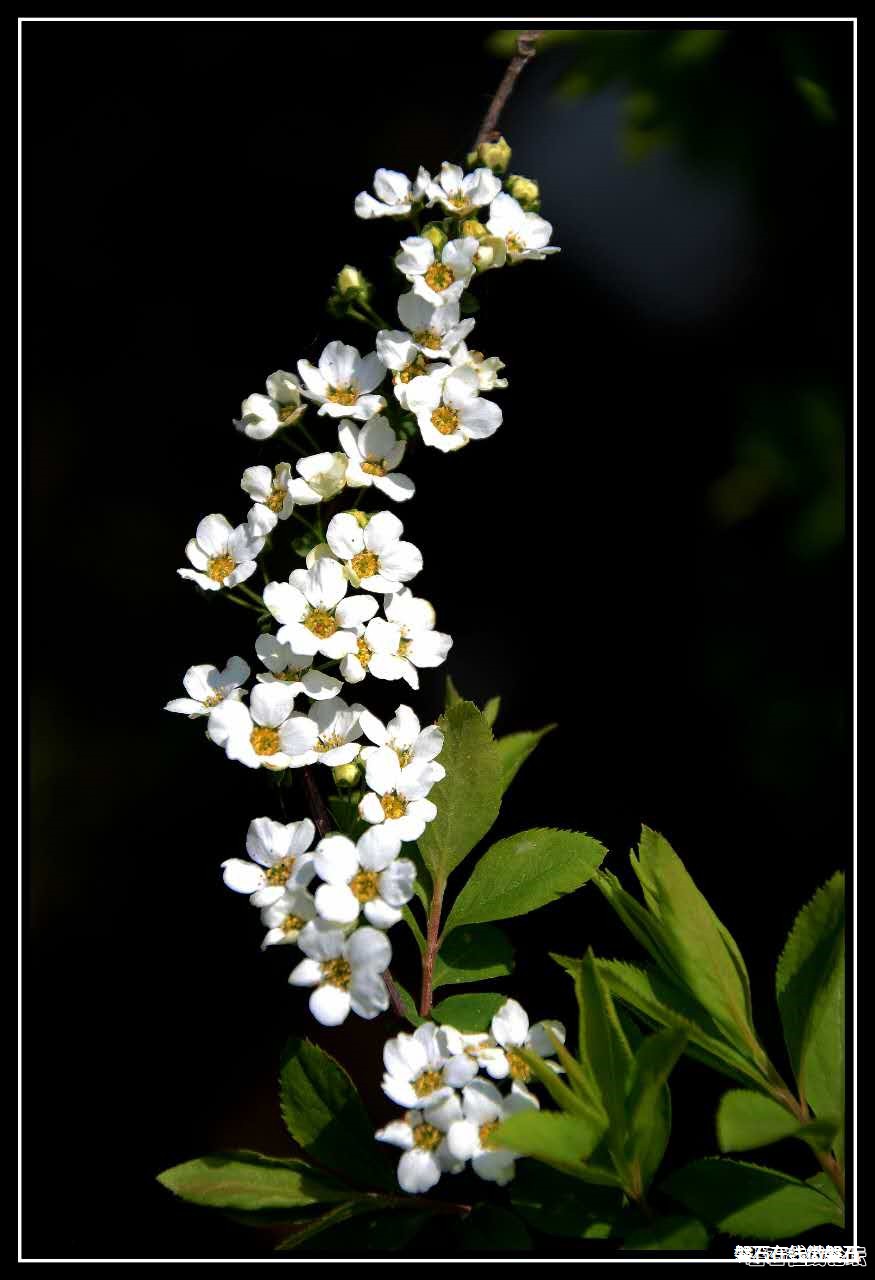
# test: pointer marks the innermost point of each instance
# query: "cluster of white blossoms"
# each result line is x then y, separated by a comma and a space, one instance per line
349, 612
453, 1112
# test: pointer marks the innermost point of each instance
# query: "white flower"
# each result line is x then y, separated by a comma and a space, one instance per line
206, 687
286, 917
421, 1070
323, 476
450, 410
347, 973
396, 194
315, 617
270, 493
437, 279
375, 557
261, 416
393, 649
526, 234
436, 331
483, 1110
397, 796
461, 192
222, 556
343, 381
400, 354
337, 728
487, 369
366, 877
407, 739
422, 1137
510, 1032
280, 863
268, 732
374, 451
293, 670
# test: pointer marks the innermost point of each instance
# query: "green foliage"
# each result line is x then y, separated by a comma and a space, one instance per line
325, 1115
750, 1201
564, 1141
669, 1234
247, 1180
562, 1205
746, 1120
491, 710
468, 798
524, 872
316, 1226
648, 1103
515, 749
473, 953
811, 990
469, 1013
408, 1004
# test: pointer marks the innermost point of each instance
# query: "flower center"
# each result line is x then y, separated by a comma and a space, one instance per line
280, 871
292, 924
288, 412
518, 1068
343, 395
275, 500
486, 1131
291, 675
365, 652
374, 468
412, 370
445, 420
337, 973
365, 564
404, 754
321, 623
394, 806
403, 645
265, 742
439, 277
458, 201
427, 1082
427, 1137
514, 244
219, 568
328, 743
214, 700
364, 885
425, 338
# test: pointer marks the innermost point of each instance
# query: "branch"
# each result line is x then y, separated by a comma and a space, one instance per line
431, 947
525, 51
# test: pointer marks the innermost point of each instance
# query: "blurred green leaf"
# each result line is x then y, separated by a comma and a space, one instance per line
469, 1013
746, 1120
669, 1234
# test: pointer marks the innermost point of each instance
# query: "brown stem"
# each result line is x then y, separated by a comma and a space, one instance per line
799, 1108
431, 947
318, 808
525, 50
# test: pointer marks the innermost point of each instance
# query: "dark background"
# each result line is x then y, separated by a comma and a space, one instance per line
649, 552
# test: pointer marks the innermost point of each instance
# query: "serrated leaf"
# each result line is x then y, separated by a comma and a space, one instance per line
515, 749
248, 1180
524, 872
584, 1104
605, 1049
749, 1200
491, 710
670, 1233
810, 990
473, 953
409, 1006
561, 1205
469, 797
469, 1013
325, 1115
746, 1120
561, 1140
648, 1104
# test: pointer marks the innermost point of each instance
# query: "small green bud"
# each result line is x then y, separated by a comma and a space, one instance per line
434, 232
351, 280
471, 227
524, 190
347, 775
495, 155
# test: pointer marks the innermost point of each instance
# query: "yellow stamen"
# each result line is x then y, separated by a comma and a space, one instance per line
321, 745
394, 806
425, 338
280, 871
427, 1137
343, 395
427, 1083
292, 924
365, 564
291, 675
365, 886
265, 742
337, 973
275, 501
365, 652
518, 1069
321, 623
486, 1131
514, 244
413, 370
439, 276
214, 700
404, 754
445, 420
219, 568
374, 468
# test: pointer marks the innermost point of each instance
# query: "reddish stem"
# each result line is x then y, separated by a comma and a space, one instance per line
525, 46
431, 947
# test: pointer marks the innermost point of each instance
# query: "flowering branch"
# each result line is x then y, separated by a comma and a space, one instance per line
525, 52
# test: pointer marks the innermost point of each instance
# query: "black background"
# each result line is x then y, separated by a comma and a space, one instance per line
188, 194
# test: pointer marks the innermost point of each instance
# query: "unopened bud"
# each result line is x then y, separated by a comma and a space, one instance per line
495, 155
346, 775
491, 253
524, 190
471, 227
434, 232
351, 280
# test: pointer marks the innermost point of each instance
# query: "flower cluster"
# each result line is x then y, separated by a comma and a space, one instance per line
453, 1112
349, 611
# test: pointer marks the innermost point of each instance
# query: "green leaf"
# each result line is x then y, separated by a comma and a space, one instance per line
605, 1050
584, 1103
469, 797
648, 1106
410, 920
560, 1205
451, 693
491, 710
810, 984
383, 1231
823, 1183
524, 872
473, 954
515, 749
748, 1200
469, 1013
325, 1115
316, 1226
564, 1141
670, 1233
409, 1005
746, 1120
495, 1230
248, 1180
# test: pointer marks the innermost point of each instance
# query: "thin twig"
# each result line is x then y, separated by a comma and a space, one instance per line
432, 943
525, 51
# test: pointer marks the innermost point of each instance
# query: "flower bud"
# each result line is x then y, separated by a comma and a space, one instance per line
434, 232
471, 227
347, 775
524, 190
351, 280
491, 253
495, 155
